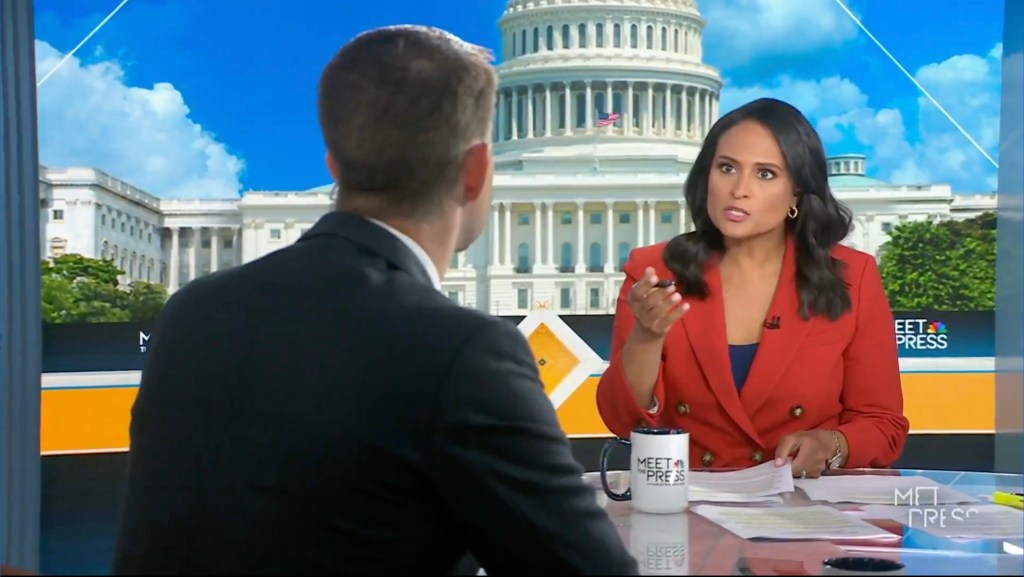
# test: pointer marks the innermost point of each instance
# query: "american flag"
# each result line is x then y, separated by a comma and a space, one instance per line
607, 119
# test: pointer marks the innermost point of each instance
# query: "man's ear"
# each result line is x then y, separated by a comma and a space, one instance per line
476, 168
331, 166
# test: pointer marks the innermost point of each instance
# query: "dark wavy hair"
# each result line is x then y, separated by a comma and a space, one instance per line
821, 222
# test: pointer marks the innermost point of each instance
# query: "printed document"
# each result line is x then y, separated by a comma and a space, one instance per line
880, 490
765, 482
788, 523
966, 521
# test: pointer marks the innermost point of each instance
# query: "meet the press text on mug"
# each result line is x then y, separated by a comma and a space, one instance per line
662, 470
664, 557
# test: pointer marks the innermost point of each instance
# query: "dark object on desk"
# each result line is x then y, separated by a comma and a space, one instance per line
325, 409
861, 566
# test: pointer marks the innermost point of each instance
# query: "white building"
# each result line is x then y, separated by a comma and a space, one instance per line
572, 197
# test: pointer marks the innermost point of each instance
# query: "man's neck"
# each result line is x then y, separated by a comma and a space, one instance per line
435, 233
435, 239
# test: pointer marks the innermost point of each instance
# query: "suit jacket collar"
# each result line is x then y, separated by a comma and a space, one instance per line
372, 237
705, 327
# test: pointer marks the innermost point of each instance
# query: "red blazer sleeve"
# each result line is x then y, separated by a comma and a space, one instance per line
872, 417
616, 402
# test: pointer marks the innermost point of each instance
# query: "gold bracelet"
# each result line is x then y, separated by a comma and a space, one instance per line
836, 461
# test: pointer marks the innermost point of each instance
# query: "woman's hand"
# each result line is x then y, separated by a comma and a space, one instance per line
655, 305
813, 450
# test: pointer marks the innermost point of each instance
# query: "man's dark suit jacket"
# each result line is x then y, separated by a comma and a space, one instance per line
325, 409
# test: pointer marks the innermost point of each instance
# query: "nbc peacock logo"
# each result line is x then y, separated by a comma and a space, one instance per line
921, 335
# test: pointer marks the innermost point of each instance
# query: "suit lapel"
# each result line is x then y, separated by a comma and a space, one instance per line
778, 345
372, 238
705, 328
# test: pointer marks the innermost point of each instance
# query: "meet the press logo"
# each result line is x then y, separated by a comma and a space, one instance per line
922, 334
662, 470
924, 510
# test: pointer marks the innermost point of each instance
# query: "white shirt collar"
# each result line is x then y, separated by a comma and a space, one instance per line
421, 255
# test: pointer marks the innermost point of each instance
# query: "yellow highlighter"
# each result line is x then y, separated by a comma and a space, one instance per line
1015, 500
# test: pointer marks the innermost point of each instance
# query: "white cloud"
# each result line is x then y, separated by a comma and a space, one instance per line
755, 29
90, 116
827, 97
968, 88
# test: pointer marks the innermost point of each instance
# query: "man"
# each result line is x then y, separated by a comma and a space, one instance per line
325, 409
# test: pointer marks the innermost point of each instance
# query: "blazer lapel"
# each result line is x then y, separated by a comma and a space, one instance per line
780, 343
371, 237
705, 328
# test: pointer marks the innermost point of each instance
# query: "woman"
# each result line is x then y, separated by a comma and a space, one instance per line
771, 340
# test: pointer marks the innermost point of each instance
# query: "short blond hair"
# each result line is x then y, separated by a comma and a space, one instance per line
398, 108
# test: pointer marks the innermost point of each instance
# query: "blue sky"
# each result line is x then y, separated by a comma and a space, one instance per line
214, 98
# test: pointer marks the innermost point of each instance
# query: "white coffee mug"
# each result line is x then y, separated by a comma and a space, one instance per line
660, 543
659, 470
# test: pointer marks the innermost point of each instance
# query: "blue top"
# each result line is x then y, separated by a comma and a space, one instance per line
741, 357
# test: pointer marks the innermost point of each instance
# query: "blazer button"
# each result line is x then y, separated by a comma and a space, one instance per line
707, 459
683, 409
758, 456
796, 411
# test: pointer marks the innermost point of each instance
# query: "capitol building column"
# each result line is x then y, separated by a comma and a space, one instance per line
609, 261
529, 111
609, 101
581, 263
547, 110
629, 120
705, 108
495, 233
193, 250
551, 236
502, 107
215, 241
538, 257
568, 108
590, 107
639, 224
507, 261
249, 242
670, 110
236, 244
515, 113
651, 224
175, 246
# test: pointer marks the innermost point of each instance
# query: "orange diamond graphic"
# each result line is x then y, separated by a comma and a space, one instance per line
554, 360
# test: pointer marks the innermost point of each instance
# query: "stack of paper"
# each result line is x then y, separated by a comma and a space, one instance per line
809, 522
880, 490
764, 482
968, 521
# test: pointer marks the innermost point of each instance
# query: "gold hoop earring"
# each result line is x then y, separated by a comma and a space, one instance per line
792, 212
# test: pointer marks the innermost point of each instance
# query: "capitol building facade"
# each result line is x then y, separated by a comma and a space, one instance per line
602, 108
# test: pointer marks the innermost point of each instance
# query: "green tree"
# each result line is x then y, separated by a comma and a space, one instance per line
75, 266
78, 289
949, 265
